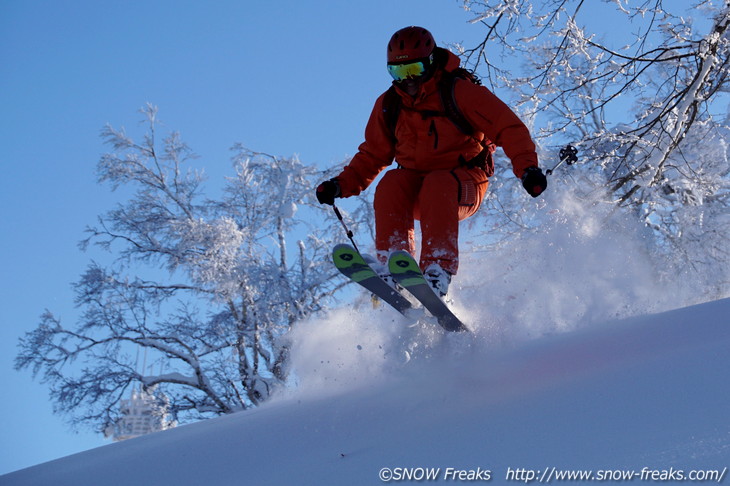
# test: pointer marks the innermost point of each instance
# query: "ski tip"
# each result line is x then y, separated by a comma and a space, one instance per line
400, 261
344, 250
400, 254
340, 247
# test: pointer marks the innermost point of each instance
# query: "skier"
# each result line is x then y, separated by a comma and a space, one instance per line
443, 169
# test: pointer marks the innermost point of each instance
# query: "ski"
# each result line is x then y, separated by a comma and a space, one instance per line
352, 265
406, 272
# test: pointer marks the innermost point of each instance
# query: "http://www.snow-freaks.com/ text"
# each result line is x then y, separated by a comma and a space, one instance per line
549, 475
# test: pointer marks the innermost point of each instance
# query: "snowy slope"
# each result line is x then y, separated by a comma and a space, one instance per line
645, 392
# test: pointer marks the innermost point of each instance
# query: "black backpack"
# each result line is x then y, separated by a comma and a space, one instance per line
392, 107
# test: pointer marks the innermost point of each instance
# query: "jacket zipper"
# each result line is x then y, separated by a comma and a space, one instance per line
432, 132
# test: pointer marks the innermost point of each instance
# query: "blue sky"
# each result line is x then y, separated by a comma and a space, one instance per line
281, 77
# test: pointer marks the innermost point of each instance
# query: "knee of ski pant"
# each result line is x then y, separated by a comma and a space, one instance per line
438, 196
400, 181
397, 191
440, 183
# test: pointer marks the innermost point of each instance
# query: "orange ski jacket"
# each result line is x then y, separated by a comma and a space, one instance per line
427, 143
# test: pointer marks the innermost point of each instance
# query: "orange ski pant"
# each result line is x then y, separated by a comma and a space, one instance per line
439, 199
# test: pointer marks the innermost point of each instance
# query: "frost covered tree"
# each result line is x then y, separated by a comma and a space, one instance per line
641, 88
203, 288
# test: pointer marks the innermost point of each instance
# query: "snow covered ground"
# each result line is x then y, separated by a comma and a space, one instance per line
377, 401
557, 378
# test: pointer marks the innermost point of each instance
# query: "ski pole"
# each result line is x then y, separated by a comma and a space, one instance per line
568, 155
350, 234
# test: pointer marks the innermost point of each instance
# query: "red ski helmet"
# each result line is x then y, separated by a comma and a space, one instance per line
410, 44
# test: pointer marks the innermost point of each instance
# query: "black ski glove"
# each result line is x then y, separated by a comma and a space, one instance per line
328, 191
534, 181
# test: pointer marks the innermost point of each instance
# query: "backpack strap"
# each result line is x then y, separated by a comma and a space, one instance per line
448, 99
483, 160
391, 110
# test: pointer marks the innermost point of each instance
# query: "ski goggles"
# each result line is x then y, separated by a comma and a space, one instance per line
400, 72
410, 70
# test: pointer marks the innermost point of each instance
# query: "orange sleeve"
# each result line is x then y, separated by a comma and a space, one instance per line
491, 116
373, 155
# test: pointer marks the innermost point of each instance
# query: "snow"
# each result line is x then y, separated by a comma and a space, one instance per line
646, 394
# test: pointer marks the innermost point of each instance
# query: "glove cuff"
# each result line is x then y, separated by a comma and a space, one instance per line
338, 189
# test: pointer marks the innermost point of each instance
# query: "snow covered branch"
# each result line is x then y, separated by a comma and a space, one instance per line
641, 89
199, 292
